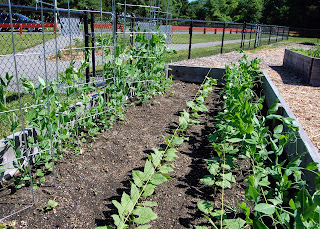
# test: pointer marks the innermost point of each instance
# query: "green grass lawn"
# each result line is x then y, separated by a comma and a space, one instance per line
202, 38
22, 41
201, 52
208, 51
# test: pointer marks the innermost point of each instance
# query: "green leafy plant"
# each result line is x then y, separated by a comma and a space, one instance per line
274, 185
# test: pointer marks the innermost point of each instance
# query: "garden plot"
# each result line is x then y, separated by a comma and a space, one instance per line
87, 183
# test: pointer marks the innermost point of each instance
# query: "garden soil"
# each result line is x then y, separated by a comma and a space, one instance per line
87, 183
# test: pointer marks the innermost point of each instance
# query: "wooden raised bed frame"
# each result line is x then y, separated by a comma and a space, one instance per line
306, 67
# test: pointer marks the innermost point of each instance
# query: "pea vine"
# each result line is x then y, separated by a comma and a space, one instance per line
64, 113
275, 196
133, 209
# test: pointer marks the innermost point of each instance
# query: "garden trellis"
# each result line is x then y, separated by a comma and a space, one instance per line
65, 100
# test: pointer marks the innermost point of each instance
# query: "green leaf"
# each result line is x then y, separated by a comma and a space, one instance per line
229, 177
43, 83
175, 141
312, 166
156, 157
234, 140
51, 204
126, 202
134, 193
257, 224
148, 169
120, 208
208, 180
148, 190
138, 177
252, 193
251, 141
267, 209
3, 107
273, 117
165, 169
292, 204
205, 206
201, 227
170, 154
224, 184
144, 214
274, 107
158, 179
40, 173
278, 129
149, 203
234, 223
118, 61
118, 222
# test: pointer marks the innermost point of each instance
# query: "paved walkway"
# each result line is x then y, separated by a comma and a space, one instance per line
30, 62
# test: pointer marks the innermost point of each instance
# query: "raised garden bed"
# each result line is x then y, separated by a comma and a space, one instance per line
303, 144
305, 67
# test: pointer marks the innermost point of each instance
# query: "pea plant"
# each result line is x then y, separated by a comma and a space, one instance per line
275, 195
64, 112
134, 210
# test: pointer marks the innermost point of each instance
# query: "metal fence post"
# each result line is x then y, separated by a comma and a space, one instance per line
250, 36
93, 52
190, 39
270, 35
288, 33
223, 32
277, 28
86, 39
256, 37
283, 32
243, 35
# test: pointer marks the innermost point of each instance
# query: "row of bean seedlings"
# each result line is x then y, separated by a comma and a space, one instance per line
134, 210
275, 194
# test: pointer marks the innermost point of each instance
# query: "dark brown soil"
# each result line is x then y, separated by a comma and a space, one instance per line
87, 183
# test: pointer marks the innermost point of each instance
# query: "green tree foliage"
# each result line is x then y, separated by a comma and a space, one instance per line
294, 13
249, 11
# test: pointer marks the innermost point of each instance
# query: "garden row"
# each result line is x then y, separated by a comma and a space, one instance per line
276, 195
134, 209
60, 113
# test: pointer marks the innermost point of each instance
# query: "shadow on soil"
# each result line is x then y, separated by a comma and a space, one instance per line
199, 149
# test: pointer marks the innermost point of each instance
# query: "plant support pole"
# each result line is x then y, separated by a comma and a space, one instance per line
86, 40
93, 50
190, 39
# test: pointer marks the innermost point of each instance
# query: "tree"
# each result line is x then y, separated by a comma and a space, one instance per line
249, 11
